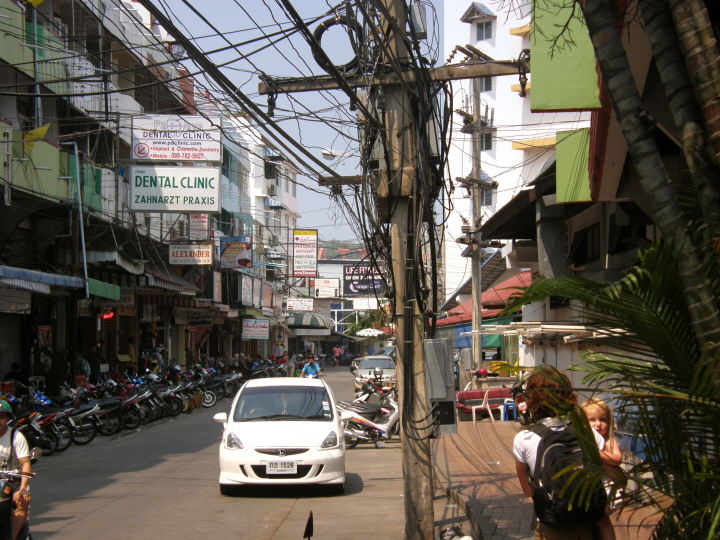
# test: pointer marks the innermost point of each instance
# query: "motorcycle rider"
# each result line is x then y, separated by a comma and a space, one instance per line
17, 457
310, 369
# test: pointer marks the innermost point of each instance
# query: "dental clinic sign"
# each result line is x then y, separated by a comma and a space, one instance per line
174, 189
169, 137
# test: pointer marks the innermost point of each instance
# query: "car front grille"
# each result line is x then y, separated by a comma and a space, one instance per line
302, 471
281, 451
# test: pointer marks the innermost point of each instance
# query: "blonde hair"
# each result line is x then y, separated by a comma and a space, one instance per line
602, 407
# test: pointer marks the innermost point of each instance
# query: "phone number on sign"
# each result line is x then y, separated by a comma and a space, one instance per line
187, 155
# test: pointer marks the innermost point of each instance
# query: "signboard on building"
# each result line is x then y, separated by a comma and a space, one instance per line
200, 254
326, 288
267, 295
236, 252
256, 328
198, 227
257, 293
305, 252
362, 280
174, 189
172, 137
217, 287
365, 304
246, 290
299, 304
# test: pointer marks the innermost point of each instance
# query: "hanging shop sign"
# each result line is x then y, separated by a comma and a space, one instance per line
236, 252
200, 254
362, 280
217, 287
256, 329
198, 227
326, 288
305, 252
174, 189
299, 304
246, 290
257, 293
172, 137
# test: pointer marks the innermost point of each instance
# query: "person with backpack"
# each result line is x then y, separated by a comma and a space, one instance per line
549, 460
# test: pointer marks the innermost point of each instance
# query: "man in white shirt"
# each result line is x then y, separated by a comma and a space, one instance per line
11, 459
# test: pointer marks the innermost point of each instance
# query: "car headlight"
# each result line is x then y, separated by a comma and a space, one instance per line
330, 441
232, 441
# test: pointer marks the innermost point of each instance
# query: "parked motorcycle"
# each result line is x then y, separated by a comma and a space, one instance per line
370, 422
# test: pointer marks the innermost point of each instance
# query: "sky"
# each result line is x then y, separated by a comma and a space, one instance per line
239, 22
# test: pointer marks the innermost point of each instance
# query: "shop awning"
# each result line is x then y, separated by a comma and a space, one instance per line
130, 266
307, 320
103, 290
41, 282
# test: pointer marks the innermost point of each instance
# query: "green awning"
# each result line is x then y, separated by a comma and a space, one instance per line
103, 290
307, 320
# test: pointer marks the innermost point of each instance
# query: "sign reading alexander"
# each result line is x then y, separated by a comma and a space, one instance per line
305, 252
176, 138
255, 329
174, 189
191, 254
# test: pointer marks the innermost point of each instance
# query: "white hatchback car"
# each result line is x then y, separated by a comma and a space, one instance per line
282, 431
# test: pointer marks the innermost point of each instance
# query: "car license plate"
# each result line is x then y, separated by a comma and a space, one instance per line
281, 467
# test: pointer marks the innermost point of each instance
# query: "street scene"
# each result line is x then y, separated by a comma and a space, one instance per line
418, 269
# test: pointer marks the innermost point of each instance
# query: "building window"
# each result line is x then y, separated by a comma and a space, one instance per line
271, 170
486, 84
486, 141
484, 31
487, 197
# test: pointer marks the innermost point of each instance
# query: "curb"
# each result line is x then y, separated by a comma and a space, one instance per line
482, 526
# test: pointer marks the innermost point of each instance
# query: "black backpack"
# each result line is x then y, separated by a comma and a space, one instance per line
563, 491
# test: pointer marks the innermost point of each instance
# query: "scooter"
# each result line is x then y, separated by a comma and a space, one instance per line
8, 482
370, 422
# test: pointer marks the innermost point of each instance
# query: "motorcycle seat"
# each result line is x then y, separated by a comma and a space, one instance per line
363, 408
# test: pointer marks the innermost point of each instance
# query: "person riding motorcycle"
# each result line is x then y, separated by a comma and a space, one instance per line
310, 369
15, 456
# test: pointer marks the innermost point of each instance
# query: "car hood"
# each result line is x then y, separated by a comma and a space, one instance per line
283, 433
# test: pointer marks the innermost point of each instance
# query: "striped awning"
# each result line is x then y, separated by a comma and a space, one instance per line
307, 320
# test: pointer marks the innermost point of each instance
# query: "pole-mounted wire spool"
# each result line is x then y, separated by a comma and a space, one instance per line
355, 33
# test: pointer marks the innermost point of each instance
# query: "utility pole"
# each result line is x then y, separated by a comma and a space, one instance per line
475, 245
401, 172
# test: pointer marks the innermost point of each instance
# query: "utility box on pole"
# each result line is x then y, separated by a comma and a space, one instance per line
440, 383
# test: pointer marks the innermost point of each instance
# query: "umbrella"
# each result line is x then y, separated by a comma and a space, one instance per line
369, 332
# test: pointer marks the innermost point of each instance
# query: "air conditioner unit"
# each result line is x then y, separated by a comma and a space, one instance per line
271, 190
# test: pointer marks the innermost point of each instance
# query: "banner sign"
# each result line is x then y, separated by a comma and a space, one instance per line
171, 137
246, 291
198, 227
174, 189
217, 287
236, 252
257, 292
191, 254
256, 328
326, 288
305, 252
362, 280
299, 304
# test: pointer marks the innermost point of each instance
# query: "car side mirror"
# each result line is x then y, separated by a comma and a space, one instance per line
220, 418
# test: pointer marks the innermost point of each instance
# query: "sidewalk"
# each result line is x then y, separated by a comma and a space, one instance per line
475, 468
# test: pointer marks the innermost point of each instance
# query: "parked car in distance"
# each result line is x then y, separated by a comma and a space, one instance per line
366, 370
282, 431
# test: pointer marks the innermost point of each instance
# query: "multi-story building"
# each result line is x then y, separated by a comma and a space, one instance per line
496, 136
84, 267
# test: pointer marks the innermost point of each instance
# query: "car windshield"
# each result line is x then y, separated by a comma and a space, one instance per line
283, 403
372, 363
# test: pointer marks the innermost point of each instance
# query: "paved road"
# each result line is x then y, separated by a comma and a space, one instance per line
161, 482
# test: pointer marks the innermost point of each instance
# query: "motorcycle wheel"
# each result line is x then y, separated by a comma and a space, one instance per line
109, 424
64, 436
209, 398
131, 419
84, 433
175, 406
48, 442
